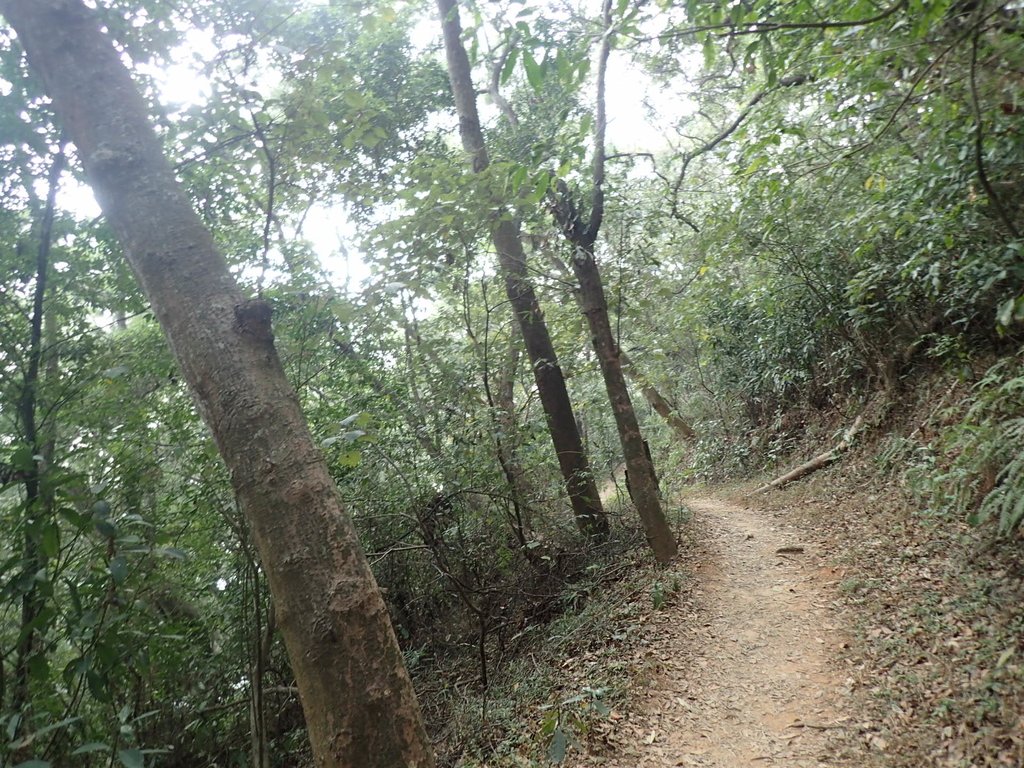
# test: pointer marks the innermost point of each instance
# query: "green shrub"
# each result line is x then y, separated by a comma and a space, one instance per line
985, 479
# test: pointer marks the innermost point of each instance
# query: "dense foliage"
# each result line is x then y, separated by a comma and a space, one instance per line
834, 209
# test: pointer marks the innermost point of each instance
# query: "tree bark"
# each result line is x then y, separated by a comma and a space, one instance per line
654, 398
640, 469
657, 401
358, 700
505, 234
594, 305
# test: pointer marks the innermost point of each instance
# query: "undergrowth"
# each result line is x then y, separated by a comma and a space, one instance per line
560, 678
985, 479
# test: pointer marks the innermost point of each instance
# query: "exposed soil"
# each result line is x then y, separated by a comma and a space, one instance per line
748, 669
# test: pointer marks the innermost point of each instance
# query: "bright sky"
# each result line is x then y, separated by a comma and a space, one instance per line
182, 85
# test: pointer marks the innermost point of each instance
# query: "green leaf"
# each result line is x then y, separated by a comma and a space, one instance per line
118, 569
90, 747
518, 177
12, 725
49, 541
564, 65
557, 746
73, 516
510, 66
710, 52
97, 686
1005, 657
350, 459
39, 666
29, 738
131, 758
21, 459
539, 190
657, 596
1005, 314
534, 73
170, 552
758, 163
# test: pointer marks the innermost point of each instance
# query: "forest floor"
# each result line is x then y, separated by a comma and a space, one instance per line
835, 623
829, 625
746, 664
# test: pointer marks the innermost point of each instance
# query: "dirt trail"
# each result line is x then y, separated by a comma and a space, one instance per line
748, 675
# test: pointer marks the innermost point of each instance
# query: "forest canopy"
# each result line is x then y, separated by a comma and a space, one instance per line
490, 292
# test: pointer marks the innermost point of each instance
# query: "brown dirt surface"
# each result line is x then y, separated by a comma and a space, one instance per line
748, 669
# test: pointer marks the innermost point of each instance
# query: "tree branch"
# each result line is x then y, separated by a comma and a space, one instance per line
268, 214
761, 27
979, 140
596, 216
729, 130
495, 85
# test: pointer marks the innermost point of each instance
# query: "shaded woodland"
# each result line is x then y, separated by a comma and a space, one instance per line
395, 344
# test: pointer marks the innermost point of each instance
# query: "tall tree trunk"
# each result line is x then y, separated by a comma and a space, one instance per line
643, 484
357, 697
505, 234
38, 501
583, 236
656, 400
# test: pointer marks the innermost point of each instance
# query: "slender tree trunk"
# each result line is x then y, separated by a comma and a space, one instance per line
583, 236
503, 406
499, 390
656, 400
554, 396
38, 501
643, 484
357, 697
261, 639
501, 403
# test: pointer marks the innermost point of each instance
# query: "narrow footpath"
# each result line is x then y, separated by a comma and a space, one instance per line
748, 670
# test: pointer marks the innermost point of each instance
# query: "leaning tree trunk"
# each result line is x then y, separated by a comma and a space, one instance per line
594, 305
684, 432
642, 481
554, 397
657, 401
357, 697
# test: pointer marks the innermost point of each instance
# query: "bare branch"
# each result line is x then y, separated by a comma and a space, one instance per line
495, 84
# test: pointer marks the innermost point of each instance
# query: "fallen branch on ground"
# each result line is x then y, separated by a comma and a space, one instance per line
822, 460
